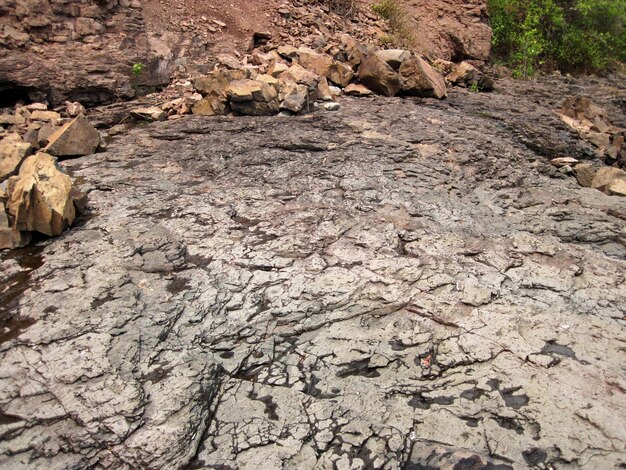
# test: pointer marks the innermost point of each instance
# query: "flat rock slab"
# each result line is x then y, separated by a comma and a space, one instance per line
403, 284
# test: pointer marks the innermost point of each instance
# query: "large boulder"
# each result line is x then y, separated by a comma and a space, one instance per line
40, 197
379, 77
420, 79
300, 75
12, 151
466, 75
76, 138
293, 96
393, 57
610, 180
325, 66
253, 97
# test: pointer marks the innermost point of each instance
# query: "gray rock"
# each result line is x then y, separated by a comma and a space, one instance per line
312, 293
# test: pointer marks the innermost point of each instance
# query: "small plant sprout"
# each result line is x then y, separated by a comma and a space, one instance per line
138, 69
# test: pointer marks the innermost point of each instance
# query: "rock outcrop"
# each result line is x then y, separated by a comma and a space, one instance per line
83, 51
406, 286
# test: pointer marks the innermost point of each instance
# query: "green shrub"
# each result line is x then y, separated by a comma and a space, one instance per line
569, 35
386, 9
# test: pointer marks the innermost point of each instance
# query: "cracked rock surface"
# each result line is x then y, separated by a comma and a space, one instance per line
399, 284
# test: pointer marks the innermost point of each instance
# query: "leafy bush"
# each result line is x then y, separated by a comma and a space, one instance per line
387, 9
569, 35
398, 20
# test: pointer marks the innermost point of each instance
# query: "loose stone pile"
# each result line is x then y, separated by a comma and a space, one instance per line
592, 124
35, 194
291, 80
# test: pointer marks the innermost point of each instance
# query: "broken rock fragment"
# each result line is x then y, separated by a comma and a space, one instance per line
254, 98
74, 108
584, 173
76, 138
293, 96
151, 113
420, 79
379, 77
354, 89
12, 151
610, 180
299, 74
40, 197
466, 75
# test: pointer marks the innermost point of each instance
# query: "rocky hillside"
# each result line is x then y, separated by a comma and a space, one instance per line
55, 50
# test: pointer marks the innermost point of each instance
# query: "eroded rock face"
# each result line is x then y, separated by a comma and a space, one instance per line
90, 47
451, 29
388, 286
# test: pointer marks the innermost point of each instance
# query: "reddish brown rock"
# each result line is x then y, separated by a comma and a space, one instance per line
420, 79
465, 74
379, 77
355, 89
451, 29
610, 180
